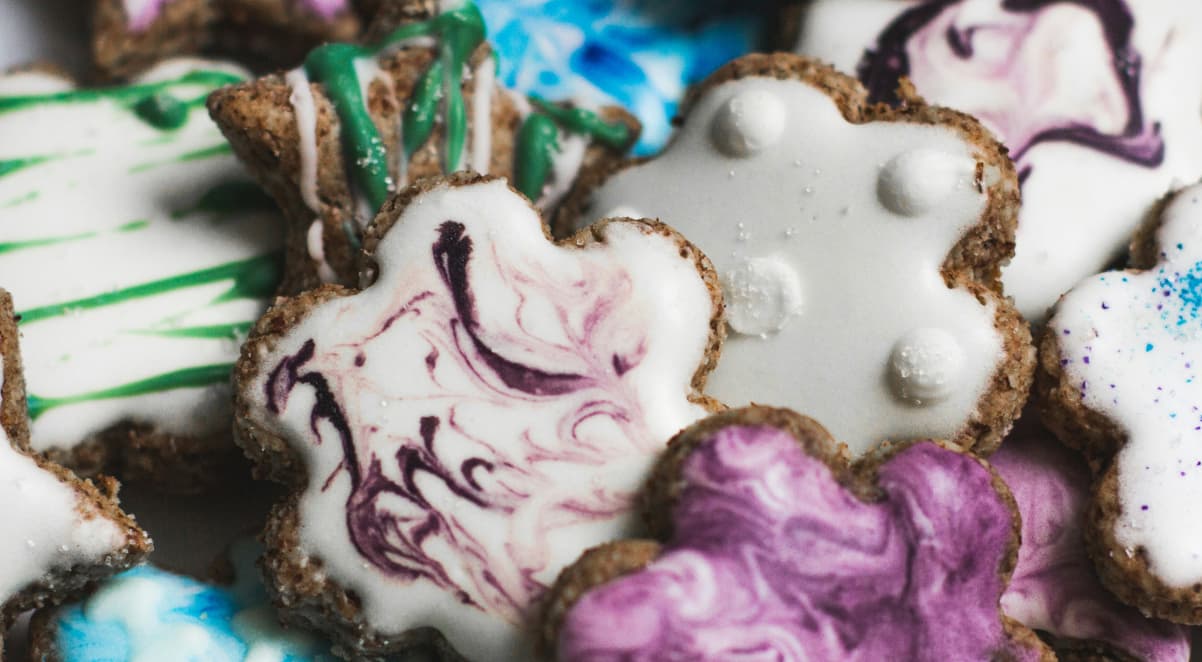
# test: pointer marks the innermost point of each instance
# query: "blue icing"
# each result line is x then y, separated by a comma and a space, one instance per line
147, 614
639, 54
1185, 289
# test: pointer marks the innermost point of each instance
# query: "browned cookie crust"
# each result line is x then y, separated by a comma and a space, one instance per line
973, 264
58, 584
274, 32
261, 123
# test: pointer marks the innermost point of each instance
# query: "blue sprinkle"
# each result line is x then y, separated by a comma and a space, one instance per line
1148, 347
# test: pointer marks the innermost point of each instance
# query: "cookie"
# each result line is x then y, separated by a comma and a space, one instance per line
138, 253
858, 246
128, 36
773, 545
470, 422
330, 140
1054, 589
1097, 102
1118, 380
639, 55
60, 533
152, 614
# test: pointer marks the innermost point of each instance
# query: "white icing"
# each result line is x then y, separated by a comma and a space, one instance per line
762, 294
305, 113
484, 84
748, 123
32, 82
46, 525
914, 183
134, 603
576, 310
809, 201
113, 181
926, 365
315, 242
1079, 205
181, 66
1130, 343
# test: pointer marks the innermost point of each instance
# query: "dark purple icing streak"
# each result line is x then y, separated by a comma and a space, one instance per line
1138, 142
773, 559
465, 459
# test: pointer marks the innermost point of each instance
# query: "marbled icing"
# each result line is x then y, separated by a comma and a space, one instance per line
772, 559
137, 250
485, 411
151, 615
639, 55
1097, 102
1130, 342
1054, 587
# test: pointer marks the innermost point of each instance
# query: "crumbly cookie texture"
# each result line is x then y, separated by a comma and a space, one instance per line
130, 36
480, 413
1054, 589
1097, 102
1118, 380
138, 253
859, 248
60, 533
771, 542
334, 137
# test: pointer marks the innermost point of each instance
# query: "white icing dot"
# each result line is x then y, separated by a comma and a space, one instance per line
915, 182
748, 123
925, 365
762, 294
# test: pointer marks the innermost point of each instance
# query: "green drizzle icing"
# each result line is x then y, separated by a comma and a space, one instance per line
459, 33
254, 278
227, 198
231, 331
22, 199
538, 141
9, 166
220, 149
162, 110
13, 246
197, 377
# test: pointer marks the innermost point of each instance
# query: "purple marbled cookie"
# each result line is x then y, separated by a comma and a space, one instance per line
779, 552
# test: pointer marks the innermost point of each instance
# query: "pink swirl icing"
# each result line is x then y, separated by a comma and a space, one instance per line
141, 13
506, 432
772, 559
1054, 588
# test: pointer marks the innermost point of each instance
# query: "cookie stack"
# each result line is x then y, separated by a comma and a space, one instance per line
753, 393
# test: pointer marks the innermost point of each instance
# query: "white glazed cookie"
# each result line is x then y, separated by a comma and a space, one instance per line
1097, 101
138, 254
1119, 377
58, 533
844, 241
473, 420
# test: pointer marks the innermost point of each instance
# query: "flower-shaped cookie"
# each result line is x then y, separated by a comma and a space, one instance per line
57, 533
776, 549
1097, 101
130, 35
333, 138
470, 422
1119, 378
138, 253
859, 249
1054, 588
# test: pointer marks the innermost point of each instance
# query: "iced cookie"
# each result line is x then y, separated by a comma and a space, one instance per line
59, 533
640, 55
858, 247
1054, 589
474, 419
138, 254
1118, 379
152, 614
1097, 101
332, 139
774, 548
130, 35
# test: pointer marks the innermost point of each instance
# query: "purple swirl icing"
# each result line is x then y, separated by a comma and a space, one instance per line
938, 44
466, 480
141, 13
772, 559
1054, 588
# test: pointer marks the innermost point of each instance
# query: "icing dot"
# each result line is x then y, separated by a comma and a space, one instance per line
925, 365
748, 123
915, 182
762, 294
